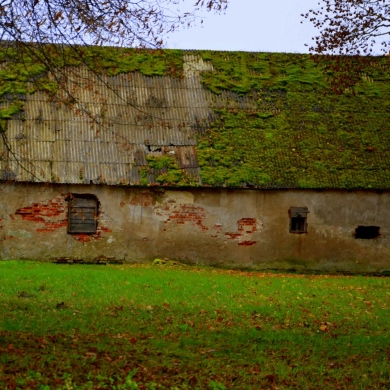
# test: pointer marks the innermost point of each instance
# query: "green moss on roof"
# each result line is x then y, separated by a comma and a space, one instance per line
242, 72
23, 73
298, 133
167, 172
324, 147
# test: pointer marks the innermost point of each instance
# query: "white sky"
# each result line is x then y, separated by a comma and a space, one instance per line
251, 25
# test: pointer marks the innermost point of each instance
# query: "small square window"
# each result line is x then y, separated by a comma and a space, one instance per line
82, 214
298, 219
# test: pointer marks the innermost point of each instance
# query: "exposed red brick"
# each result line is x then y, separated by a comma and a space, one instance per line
250, 222
233, 236
43, 211
171, 212
105, 229
56, 225
245, 228
82, 237
45, 230
247, 243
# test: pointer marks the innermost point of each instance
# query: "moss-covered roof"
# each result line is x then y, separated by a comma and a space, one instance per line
265, 120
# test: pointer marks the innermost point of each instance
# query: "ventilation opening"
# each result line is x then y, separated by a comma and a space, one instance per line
367, 232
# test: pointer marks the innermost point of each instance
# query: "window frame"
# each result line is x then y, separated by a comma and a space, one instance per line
298, 213
82, 214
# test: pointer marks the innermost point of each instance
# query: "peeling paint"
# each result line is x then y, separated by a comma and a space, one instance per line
144, 198
105, 229
84, 238
220, 227
51, 214
246, 228
178, 208
19, 234
181, 214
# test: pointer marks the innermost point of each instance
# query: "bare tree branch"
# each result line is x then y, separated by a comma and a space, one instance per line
347, 38
54, 35
350, 26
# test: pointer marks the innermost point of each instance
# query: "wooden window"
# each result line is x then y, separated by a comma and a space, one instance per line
82, 214
298, 219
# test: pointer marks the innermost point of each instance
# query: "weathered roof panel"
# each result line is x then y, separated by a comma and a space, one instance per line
264, 120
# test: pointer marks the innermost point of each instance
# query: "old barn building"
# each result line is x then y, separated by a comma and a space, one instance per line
236, 159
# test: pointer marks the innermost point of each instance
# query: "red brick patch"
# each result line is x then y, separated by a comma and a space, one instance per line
105, 229
233, 236
247, 224
42, 212
247, 243
188, 213
245, 229
82, 237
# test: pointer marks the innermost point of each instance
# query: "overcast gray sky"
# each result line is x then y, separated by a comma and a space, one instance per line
251, 25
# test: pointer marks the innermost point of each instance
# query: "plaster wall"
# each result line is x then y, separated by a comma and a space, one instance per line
233, 228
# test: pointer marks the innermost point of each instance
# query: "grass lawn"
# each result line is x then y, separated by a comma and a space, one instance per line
181, 327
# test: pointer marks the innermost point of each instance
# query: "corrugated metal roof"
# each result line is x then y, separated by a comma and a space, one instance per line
116, 122
281, 137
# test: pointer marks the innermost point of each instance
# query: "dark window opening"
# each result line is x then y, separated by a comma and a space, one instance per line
82, 213
298, 224
298, 219
367, 232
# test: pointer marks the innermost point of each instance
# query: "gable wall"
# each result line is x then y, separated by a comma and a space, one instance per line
232, 228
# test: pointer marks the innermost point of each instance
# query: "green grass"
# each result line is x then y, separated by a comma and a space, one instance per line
181, 327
